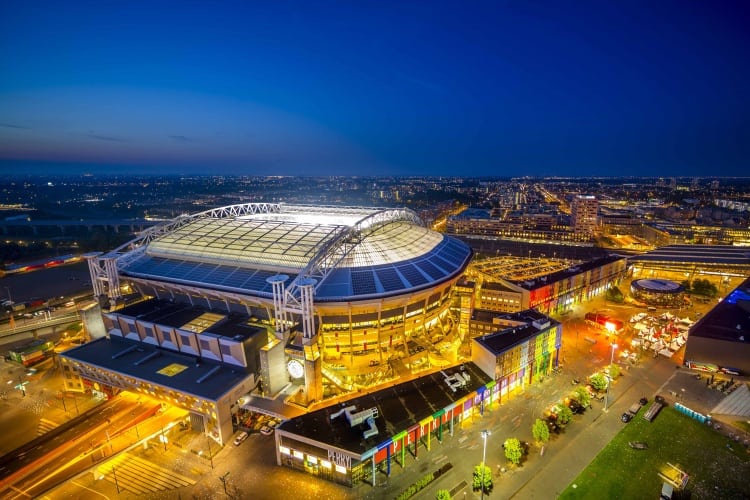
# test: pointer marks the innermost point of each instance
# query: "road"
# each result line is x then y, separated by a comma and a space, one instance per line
73, 447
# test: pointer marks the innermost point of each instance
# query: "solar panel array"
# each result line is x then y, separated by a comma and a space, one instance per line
363, 283
211, 275
442, 262
239, 254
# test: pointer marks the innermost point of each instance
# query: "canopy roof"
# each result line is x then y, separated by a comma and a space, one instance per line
352, 251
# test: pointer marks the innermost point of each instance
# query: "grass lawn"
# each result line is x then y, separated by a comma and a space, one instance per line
619, 471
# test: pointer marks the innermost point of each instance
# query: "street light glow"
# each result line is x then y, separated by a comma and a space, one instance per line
609, 376
484, 433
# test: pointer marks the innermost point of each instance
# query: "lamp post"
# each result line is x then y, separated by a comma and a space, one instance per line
609, 377
484, 434
223, 480
10, 299
210, 456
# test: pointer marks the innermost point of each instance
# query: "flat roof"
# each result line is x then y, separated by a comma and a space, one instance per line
166, 368
566, 273
177, 315
508, 336
399, 408
709, 254
729, 320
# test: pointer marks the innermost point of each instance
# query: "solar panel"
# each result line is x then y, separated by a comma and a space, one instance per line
442, 263
413, 275
432, 271
390, 279
363, 283
199, 270
237, 279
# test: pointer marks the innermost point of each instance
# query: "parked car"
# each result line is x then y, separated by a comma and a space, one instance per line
265, 430
240, 438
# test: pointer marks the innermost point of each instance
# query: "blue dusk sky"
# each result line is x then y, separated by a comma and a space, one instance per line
498, 88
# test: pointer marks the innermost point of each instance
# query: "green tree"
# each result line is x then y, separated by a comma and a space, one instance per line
564, 415
582, 396
615, 295
540, 430
443, 495
482, 478
704, 287
598, 382
614, 371
687, 284
513, 450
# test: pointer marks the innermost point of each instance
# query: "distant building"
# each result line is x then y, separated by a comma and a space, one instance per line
693, 259
584, 214
554, 292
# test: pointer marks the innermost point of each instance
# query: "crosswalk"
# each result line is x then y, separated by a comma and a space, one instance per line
140, 476
45, 426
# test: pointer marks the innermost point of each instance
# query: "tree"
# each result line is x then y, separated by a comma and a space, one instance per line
443, 495
704, 287
614, 294
482, 478
687, 285
513, 450
598, 382
614, 371
540, 430
582, 396
564, 415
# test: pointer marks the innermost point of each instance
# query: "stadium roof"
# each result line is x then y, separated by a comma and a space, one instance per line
353, 252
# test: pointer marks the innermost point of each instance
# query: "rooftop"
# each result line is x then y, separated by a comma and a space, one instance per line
729, 320
710, 254
399, 408
368, 253
159, 366
508, 336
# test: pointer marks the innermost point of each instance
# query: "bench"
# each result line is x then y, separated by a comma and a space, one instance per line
651, 413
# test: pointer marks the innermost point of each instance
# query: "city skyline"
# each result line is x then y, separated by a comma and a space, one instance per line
414, 89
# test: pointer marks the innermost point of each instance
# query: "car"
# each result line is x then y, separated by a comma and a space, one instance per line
265, 430
626, 417
273, 423
643, 401
240, 438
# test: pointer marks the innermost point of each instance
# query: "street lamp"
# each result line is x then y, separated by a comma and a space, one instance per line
484, 434
9, 297
611, 362
223, 480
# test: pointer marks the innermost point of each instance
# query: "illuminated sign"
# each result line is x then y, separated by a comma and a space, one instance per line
172, 370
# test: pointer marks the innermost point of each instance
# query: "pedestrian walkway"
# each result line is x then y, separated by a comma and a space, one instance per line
132, 473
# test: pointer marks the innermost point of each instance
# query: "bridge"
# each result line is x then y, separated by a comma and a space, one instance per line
132, 225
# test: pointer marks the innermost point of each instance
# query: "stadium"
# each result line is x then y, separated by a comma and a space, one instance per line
324, 300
